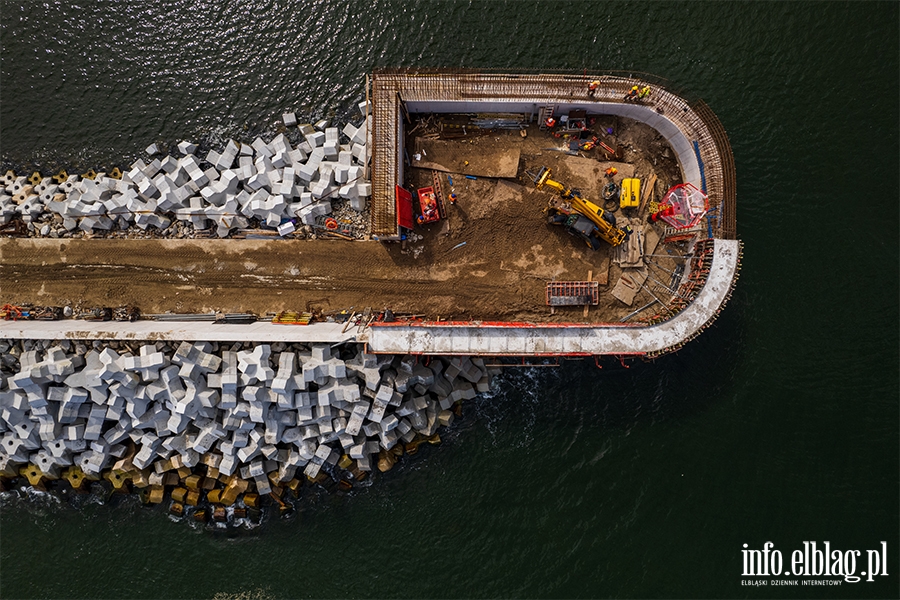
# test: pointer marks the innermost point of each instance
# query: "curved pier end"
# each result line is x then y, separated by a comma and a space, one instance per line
518, 339
692, 130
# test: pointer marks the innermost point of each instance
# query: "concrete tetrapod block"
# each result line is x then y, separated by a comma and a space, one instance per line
259, 181
280, 160
226, 159
286, 228
316, 156
379, 405
246, 170
472, 373
389, 439
187, 147
149, 445
332, 149
307, 172
349, 130
321, 365
316, 139
361, 134
254, 365
263, 165
298, 156
342, 174
455, 367
389, 422
281, 144
169, 165
312, 469
284, 383
112, 369
261, 148
287, 188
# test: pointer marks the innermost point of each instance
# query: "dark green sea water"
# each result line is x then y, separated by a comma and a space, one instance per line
780, 423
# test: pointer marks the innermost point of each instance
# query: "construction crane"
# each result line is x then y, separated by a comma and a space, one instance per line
581, 217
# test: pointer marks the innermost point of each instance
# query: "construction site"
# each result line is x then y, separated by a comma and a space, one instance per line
500, 273
366, 281
499, 155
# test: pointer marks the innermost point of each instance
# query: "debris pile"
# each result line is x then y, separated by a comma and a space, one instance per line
243, 417
274, 184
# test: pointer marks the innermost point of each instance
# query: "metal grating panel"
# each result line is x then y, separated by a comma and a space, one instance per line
573, 293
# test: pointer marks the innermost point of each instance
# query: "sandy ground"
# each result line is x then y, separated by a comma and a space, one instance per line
500, 273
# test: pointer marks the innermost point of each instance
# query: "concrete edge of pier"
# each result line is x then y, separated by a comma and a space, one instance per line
176, 331
517, 339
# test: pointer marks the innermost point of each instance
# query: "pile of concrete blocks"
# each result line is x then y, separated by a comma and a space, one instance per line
272, 182
267, 413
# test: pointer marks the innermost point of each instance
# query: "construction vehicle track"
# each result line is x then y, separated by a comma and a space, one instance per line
261, 277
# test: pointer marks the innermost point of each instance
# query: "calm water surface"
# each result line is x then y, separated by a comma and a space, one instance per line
779, 424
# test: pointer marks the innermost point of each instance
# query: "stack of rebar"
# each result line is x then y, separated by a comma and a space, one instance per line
198, 317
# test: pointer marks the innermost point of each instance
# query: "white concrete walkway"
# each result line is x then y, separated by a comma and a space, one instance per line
174, 331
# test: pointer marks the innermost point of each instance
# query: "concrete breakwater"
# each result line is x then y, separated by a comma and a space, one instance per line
213, 422
278, 185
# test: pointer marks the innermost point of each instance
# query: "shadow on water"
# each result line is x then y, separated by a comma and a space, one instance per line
623, 394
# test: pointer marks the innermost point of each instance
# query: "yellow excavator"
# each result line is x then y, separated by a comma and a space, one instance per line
582, 218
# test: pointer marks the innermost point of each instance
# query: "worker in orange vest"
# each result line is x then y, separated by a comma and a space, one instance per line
593, 87
610, 172
633, 94
550, 122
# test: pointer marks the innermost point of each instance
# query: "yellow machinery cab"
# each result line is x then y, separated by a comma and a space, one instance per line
631, 193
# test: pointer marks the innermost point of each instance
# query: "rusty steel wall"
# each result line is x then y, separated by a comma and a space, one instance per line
728, 204
386, 141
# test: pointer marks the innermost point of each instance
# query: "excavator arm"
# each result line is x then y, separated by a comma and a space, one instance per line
544, 180
570, 201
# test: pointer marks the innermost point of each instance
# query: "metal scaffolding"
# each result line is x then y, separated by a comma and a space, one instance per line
386, 136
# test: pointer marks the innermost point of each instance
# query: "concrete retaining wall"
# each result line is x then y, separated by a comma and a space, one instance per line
684, 150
